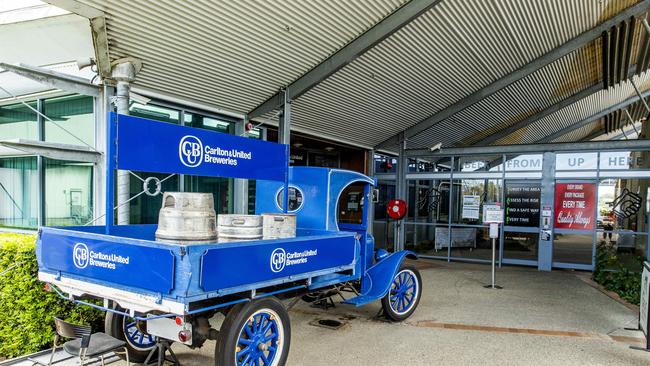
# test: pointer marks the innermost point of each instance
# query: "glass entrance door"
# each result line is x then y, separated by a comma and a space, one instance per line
575, 224
521, 222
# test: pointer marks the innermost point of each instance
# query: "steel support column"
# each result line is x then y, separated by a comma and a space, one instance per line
401, 190
284, 127
240, 186
123, 74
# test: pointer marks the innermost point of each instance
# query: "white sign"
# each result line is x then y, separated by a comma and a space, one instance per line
82, 258
471, 207
492, 214
645, 292
576, 161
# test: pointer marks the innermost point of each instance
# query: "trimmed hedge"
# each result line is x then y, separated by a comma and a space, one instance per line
26, 309
616, 276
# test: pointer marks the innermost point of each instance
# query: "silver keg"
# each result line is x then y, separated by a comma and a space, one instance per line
187, 218
236, 227
278, 225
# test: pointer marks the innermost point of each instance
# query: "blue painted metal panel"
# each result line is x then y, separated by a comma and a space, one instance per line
147, 145
138, 266
238, 264
376, 282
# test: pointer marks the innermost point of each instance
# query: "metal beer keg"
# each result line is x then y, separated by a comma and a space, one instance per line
187, 218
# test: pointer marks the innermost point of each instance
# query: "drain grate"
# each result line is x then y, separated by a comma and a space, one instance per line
328, 323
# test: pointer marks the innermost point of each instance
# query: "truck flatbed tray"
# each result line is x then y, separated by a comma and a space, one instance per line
131, 268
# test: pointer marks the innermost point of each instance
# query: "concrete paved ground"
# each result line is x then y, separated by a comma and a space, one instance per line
537, 319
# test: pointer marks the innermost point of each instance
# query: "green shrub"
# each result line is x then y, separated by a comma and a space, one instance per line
26, 309
617, 276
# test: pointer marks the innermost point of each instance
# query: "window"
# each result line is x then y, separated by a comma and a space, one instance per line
18, 121
19, 192
155, 112
73, 120
68, 193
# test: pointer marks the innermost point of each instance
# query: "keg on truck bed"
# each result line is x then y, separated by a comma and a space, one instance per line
187, 218
236, 227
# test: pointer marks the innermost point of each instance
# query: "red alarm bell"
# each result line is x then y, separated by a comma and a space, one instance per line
396, 209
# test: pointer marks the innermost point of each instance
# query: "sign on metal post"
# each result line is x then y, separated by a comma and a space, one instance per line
493, 215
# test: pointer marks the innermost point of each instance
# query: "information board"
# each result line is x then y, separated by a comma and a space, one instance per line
522, 203
645, 293
471, 207
574, 206
492, 213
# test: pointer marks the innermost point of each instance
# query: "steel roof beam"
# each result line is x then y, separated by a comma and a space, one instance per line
542, 61
370, 38
53, 79
97, 27
593, 118
542, 114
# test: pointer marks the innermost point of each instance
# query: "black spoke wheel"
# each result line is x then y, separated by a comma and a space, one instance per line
124, 328
255, 333
404, 294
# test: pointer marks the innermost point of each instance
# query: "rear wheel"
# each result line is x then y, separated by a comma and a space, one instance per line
256, 333
124, 328
404, 294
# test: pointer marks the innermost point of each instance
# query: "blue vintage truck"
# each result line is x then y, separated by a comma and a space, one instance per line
157, 292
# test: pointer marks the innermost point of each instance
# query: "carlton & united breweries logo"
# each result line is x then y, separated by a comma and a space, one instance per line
192, 153
281, 259
82, 257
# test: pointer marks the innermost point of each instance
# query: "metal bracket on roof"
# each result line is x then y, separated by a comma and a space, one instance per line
56, 80
53, 150
638, 93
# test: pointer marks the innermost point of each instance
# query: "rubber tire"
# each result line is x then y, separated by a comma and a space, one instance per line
114, 324
385, 301
224, 354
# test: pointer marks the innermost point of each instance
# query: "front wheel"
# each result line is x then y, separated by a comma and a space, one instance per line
255, 333
404, 294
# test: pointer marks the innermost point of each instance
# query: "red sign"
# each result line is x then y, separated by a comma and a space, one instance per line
574, 206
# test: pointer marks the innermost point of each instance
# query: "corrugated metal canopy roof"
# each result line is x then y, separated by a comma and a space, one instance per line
235, 55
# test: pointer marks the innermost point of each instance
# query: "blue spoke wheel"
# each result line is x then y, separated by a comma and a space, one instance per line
124, 328
256, 333
136, 338
404, 294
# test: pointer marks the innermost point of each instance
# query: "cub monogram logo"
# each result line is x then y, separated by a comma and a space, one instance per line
281, 259
80, 255
190, 151
278, 260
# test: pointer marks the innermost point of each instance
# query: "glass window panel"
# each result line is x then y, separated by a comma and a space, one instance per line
19, 192
385, 164
522, 246
18, 121
383, 232
145, 209
623, 205
522, 206
573, 248
422, 239
469, 197
471, 242
221, 189
155, 112
73, 114
431, 201
208, 123
68, 193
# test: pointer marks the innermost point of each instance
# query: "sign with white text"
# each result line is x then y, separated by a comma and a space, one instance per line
574, 206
